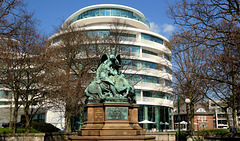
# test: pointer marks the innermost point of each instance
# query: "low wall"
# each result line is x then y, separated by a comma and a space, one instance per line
160, 136
221, 137
163, 136
22, 137
58, 136
36, 136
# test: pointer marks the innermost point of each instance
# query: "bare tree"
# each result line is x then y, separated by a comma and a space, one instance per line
71, 61
11, 17
214, 25
186, 65
22, 67
72, 58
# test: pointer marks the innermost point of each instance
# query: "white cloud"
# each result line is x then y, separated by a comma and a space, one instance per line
168, 28
154, 27
165, 28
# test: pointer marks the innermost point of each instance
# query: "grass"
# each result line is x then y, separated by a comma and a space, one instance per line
19, 130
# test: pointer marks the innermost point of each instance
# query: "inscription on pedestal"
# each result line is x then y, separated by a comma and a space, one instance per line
98, 115
117, 113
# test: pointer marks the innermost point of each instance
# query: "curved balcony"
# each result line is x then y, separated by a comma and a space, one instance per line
156, 59
154, 101
149, 72
102, 20
156, 46
152, 87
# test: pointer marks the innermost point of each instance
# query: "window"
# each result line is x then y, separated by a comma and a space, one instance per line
149, 52
128, 64
99, 33
154, 94
136, 64
109, 12
166, 70
146, 64
138, 92
5, 94
166, 57
133, 50
136, 77
151, 38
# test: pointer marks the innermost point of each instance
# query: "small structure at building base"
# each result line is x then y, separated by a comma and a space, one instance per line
112, 113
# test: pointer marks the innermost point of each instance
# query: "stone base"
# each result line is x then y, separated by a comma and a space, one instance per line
111, 121
111, 138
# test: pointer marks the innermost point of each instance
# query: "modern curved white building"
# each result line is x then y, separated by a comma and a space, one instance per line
149, 63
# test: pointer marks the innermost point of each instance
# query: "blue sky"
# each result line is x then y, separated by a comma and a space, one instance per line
51, 13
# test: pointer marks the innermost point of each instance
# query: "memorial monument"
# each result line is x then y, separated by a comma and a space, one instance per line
112, 113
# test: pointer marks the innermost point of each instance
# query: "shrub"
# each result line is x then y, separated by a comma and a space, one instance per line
214, 131
19, 130
44, 127
182, 136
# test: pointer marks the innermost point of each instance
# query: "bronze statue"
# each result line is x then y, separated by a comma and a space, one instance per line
109, 84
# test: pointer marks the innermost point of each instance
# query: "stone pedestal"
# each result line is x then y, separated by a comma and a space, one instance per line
111, 121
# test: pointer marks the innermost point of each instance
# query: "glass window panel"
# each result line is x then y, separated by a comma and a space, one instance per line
97, 12
149, 78
140, 113
113, 12
108, 12
138, 92
136, 63
155, 80
149, 52
126, 49
102, 12
117, 12
136, 77
144, 78
166, 69
135, 49
166, 57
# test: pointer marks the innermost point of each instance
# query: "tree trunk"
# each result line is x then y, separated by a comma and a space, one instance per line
192, 128
27, 126
227, 116
10, 116
234, 115
67, 122
15, 113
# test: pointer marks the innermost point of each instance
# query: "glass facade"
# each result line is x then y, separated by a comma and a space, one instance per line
155, 94
166, 70
5, 94
149, 52
144, 78
100, 33
151, 38
109, 12
161, 116
167, 57
133, 50
139, 64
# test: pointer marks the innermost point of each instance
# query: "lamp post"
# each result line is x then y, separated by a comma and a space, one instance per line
187, 101
178, 119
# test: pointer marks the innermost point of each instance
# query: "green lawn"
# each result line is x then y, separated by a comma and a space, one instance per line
19, 130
